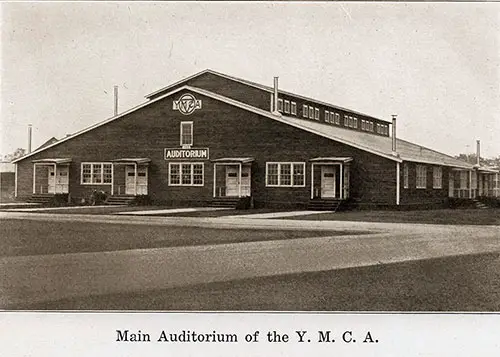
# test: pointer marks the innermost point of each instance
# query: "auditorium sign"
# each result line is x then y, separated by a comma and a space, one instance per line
187, 154
187, 104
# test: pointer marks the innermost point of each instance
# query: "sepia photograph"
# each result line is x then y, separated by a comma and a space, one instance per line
250, 157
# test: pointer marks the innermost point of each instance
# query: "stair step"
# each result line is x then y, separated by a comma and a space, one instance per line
225, 202
120, 200
324, 205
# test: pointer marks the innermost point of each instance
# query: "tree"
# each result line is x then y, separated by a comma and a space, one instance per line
472, 159
15, 155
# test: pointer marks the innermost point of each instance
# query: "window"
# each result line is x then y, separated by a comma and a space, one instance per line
311, 112
405, 176
421, 176
98, 173
362, 124
316, 113
346, 119
437, 177
185, 174
327, 116
186, 133
298, 175
355, 122
463, 180
280, 105
285, 174
287, 106
371, 126
294, 108
337, 118
305, 111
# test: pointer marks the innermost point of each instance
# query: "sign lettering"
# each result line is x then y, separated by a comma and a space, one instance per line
194, 154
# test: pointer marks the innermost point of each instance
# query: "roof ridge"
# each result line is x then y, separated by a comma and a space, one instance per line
263, 87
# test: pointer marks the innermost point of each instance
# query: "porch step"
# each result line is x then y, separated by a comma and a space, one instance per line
325, 204
479, 204
42, 198
226, 202
120, 200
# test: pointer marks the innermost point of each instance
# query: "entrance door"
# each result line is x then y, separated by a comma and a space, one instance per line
245, 181
232, 188
142, 180
327, 181
51, 180
62, 179
231, 181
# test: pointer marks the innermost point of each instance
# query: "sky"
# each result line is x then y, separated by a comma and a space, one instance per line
435, 65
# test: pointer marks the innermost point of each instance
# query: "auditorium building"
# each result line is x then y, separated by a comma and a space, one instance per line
212, 139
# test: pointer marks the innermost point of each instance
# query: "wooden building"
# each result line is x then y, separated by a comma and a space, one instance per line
213, 138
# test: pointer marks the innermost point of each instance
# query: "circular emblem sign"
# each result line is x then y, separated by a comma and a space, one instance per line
187, 104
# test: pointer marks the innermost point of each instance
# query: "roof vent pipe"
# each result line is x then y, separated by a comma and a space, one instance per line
30, 134
478, 152
275, 96
394, 116
116, 100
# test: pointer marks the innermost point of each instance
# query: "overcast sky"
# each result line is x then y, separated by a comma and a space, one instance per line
436, 65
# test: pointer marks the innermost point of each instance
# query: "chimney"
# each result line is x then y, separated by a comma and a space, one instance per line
478, 152
30, 134
394, 152
116, 100
275, 96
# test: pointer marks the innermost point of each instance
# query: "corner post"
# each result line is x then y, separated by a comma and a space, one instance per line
135, 179
34, 178
239, 180
398, 183
312, 181
215, 179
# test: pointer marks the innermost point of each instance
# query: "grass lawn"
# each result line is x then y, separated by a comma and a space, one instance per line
442, 216
461, 283
29, 237
100, 210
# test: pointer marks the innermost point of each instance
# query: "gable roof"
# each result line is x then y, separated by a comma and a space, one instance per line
47, 143
261, 87
375, 144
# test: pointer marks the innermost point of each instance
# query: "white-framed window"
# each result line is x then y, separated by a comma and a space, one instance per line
96, 173
288, 174
305, 111
186, 135
316, 113
473, 183
346, 120
355, 124
185, 174
337, 118
371, 126
287, 106
405, 175
294, 108
327, 116
437, 177
362, 124
421, 176
280, 105
463, 180
311, 112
